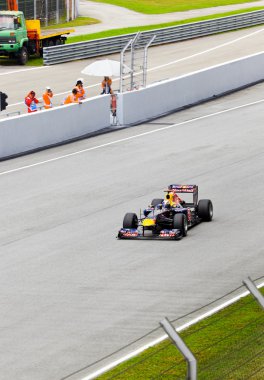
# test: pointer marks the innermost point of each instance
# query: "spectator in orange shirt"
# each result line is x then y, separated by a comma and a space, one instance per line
48, 94
31, 102
72, 98
106, 86
80, 90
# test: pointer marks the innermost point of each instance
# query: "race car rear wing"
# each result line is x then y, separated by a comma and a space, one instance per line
186, 189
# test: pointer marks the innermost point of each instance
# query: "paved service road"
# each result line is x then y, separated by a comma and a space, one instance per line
70, 292
113, 17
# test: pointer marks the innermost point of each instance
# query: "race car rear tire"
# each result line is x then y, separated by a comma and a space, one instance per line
156, 201
205, 210
180, 223
130, 220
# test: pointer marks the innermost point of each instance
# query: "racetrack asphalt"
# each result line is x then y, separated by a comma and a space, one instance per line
71, 292
113, 17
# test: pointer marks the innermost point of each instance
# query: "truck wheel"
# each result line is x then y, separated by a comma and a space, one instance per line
205, 209
180, 223
22, 56
130, 220
156, 201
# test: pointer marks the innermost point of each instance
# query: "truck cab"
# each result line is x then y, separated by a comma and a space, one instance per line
20, 37
13, 35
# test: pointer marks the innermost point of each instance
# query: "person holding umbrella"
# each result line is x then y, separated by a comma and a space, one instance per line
106, 68
106, 86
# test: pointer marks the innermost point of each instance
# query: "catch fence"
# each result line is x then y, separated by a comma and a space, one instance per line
47, 11
228, 345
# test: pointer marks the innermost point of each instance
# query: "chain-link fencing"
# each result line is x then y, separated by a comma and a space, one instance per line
228, 345
47, 11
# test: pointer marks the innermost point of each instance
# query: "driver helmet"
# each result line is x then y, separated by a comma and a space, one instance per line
166, 204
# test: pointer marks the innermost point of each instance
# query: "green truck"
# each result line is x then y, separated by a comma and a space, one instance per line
20, 38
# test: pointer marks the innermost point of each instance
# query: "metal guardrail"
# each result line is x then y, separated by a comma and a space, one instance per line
111, 45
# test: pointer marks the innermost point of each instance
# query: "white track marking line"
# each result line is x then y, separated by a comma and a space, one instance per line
153, 68
208, 50
163, 337
129, 138
23, 70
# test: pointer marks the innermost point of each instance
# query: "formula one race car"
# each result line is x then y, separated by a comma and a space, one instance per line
169, 217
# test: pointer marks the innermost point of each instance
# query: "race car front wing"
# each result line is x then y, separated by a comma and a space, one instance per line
134, 233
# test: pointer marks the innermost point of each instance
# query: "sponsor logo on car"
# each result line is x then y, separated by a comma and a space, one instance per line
183, 188
129, 233
167, 233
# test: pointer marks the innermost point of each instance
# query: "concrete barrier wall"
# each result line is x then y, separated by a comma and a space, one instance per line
28, 132
20, 134
164, 97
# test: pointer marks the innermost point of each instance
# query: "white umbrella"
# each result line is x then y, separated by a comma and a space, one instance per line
105, 68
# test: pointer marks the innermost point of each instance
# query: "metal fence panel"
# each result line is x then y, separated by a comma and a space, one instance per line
47, 11
111, 45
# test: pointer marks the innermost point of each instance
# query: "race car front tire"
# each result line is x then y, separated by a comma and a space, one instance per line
130, 220
180, 223
205, 210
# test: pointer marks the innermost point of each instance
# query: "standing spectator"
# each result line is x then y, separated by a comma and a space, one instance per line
72, 98
31, 102
80, 90
48, 94
106, 86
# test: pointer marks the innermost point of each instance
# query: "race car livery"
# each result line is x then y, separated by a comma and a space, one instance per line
169, 217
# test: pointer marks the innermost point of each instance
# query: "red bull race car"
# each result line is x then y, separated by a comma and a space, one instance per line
169, 217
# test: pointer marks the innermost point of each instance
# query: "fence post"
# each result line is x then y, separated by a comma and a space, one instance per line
122, 55
46, 13
35, 9
179, 343
68, 10
254, 291
145, 64
57, 12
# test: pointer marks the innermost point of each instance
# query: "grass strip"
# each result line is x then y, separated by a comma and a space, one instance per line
168, 6
79, 21
228, 345
118, 32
